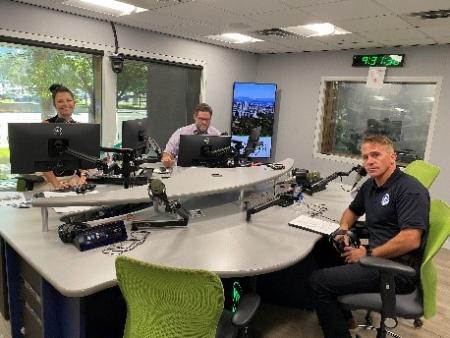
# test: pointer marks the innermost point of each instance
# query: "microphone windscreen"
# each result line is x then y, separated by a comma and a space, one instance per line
157, 187
361, 171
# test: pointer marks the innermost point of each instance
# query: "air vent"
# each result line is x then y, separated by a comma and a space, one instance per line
439, 14
276, 32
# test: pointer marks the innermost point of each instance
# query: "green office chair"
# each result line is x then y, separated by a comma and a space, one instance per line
425, 172
165, 302
422, 301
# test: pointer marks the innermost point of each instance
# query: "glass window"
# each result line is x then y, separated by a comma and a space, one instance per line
132, 84
27, 72
164, 92
399, 110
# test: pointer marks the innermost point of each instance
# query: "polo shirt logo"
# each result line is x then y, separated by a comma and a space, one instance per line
385, 200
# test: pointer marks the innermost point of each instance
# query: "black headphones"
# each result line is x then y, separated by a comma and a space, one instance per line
353, 240
67, 232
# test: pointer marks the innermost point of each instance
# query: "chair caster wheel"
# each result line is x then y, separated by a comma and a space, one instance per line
418, 323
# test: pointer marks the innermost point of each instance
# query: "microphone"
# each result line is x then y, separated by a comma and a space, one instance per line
361, 172
157, 189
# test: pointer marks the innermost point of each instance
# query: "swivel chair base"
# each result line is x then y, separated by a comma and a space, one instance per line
380, 333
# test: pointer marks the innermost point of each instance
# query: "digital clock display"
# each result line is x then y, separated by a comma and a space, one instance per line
379, 60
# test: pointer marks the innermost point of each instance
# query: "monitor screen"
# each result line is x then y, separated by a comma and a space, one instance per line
253, 141
135, 134
254, 106
195, 149
37, 146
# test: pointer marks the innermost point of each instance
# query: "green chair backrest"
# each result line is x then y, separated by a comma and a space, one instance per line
438, 234
425, 172
164, 302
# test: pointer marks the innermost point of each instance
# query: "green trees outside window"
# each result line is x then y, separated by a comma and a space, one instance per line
26, 73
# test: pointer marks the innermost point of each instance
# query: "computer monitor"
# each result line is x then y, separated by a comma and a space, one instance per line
41, 146
254, 105
135, 135
202, 150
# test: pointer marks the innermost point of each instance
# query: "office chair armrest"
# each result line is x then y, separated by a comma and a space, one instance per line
246, 309
384, 264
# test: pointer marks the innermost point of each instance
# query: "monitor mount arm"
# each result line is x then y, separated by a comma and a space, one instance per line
128, 162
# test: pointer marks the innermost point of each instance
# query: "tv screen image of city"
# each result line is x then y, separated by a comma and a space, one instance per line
253, 106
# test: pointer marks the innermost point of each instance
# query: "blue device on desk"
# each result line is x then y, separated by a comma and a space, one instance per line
85, 237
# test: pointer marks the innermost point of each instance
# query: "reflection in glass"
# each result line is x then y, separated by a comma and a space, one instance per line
401, 111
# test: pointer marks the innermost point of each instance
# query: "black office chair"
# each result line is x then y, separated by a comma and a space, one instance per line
422, 301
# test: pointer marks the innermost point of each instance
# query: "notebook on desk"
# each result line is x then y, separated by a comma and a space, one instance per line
318, 226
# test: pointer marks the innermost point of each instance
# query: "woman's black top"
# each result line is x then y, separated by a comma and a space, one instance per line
57, 119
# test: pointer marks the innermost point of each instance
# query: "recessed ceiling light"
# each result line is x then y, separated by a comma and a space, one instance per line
316, 29
234, 38
109, 7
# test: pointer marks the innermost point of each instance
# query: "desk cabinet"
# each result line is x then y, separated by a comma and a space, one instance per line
4, 305
39, 311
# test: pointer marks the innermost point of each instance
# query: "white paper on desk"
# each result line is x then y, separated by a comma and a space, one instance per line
315, 225
66, 194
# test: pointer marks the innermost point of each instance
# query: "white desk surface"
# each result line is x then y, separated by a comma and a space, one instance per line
221, 241
187, 182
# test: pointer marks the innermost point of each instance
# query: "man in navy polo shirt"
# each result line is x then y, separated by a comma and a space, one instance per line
397, 209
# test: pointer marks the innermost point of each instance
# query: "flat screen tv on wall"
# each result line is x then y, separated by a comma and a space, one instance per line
254, 106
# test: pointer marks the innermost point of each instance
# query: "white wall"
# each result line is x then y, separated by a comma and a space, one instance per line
221, 66
298, 77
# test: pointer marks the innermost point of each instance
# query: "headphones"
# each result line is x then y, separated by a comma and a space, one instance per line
67, 232
353, 240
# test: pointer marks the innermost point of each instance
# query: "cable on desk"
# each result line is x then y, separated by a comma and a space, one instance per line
135, 239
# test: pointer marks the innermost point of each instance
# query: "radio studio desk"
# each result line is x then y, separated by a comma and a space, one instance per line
57, 280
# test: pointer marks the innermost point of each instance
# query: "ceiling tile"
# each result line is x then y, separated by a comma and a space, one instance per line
409, 6
393, 34
374, 24
305, 3
348, 41
409, 42
154, 4
348, 9
435, 32
419, 22
282, 18
205, 13
246, 7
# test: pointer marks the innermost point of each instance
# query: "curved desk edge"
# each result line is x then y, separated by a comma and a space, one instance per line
190, 182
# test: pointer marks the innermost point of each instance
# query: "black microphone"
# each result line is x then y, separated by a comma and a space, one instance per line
361, 172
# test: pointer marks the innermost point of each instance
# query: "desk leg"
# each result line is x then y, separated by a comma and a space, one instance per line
44, 219
14, 287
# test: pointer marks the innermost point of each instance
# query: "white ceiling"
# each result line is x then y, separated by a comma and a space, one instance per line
373, 23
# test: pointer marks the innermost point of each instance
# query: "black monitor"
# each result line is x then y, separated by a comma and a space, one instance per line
135, 135
202, 150
42, 146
